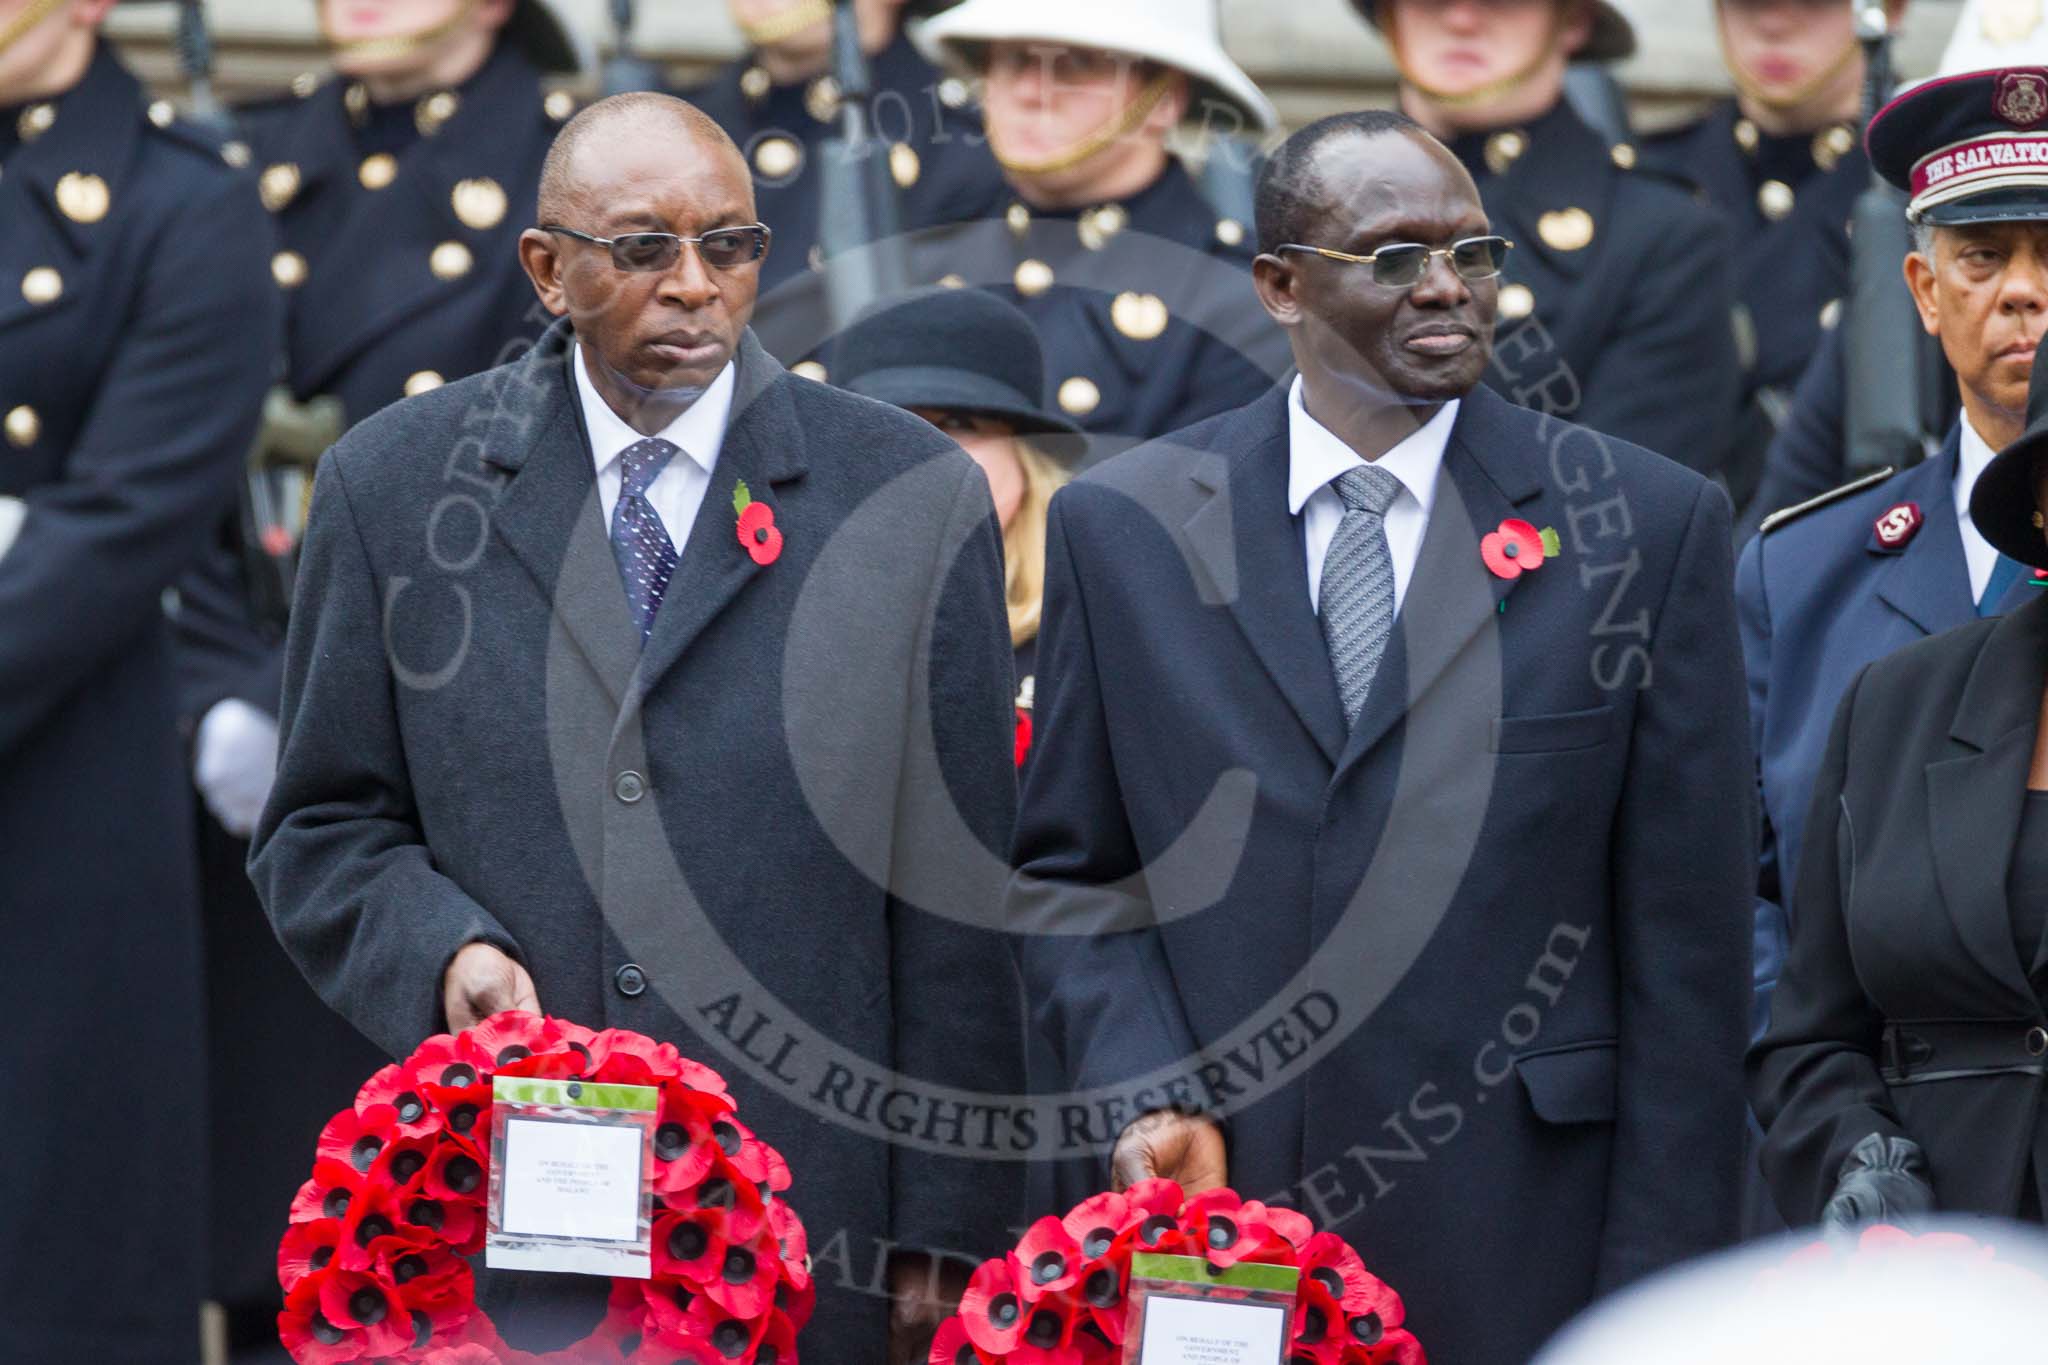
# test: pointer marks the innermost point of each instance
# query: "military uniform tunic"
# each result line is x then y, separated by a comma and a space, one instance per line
137, 330
1616, 310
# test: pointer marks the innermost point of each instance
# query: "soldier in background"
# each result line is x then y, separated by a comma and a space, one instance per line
1141, 294
1783, 161
1616, 310
780, 103
398, 188
136, 334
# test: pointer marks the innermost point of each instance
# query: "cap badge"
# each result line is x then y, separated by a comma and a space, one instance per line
2022, 98
1899, 525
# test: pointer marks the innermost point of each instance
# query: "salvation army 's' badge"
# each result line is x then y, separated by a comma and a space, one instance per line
1899, 525
2021, 98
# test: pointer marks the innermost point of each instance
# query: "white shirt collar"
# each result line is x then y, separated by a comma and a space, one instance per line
1974, 453
1317, 455
699, 431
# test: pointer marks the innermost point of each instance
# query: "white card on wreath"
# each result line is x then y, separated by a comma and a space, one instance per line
1193, 1331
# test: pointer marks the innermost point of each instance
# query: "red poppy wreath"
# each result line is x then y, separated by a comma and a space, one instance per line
1061, 1297
374, 1263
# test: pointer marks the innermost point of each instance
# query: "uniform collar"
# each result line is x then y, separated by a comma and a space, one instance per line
77, 149
1791, 157
1171, 207
1316, 455
814, 101
1546, 183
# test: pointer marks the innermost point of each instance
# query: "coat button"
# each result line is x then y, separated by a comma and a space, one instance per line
630, 980
630, 787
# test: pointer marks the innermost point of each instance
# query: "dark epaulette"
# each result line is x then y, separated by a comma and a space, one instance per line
1788, 515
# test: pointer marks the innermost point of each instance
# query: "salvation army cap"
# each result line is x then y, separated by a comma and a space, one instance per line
1971, 148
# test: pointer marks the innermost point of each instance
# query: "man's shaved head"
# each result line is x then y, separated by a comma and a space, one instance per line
629, 116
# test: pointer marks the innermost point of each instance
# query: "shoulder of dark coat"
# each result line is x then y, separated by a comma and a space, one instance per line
1852, 504
887, 439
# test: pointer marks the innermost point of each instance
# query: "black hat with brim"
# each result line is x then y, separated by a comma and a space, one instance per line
1613, 37
2003, 503
954, 350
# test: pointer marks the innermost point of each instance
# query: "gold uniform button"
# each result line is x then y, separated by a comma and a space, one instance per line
305, 83
480, 202
952, 282
1624, 155
450, 261
278, 185
1517, 301
1033, 278
1830, 145
1097, 226
821, 100
809, 369
1019, 219
777, 158
559, 105
1230, 232
1503, 150
755, 82
162, 113
1774, 199
1141, 317
42, 285
431, 113
378, 170
1831, 315
35, 121
904, 165
421, 382
356, 100
1746, 135
288, 268
236, 154
83, 197
23, 426
1079, 396
1566, 229
953, 93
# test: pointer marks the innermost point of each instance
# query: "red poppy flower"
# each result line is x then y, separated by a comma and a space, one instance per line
759, 533
796, 1302
371, 1228
1330, 1261
1223, 1227
793, 1242
952, 1346
1320, 1335
1103, 1289
446, 1060
306, 1248
426, 1275
779, 1178
684, 1152
355, 1137
1153, 1215
557, 1064
1047, 1262
507, 1037
992, 1309
1515, 549
1048, 1334
1395, 1347
328, 1194
307, 1334
747, 1153
1292, 1225
353, 1301
399, 1088
744, 1212
688, 1246
622, 1057
470, 1354
455, 1173
403, 1164
744, 1285
465, 1110
458, 1222
1023, 738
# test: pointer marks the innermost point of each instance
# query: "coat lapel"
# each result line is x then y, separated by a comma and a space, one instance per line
763, 445
1928, 581
549, 513
1250, 548
1974, 800
1451, 597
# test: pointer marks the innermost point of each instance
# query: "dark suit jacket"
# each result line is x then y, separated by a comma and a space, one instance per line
1900, 916
475, 748
130, 383
1520, 883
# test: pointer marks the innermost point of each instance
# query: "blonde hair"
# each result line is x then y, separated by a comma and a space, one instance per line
1024, 540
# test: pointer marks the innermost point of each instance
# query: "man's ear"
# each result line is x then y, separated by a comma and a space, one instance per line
1278, 285
1172, 107
1920, 281
543, 265
1576, 30
492, 14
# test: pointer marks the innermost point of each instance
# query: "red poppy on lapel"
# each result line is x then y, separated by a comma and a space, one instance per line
1513, 550
757, 529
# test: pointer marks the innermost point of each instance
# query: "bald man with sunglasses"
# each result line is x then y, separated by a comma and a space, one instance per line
569, 718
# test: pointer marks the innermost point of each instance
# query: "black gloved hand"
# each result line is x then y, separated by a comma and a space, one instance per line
1883, 1179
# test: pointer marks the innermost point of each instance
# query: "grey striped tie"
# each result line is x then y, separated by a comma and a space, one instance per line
1356, 600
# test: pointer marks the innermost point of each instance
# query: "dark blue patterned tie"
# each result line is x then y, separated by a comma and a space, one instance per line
647, 557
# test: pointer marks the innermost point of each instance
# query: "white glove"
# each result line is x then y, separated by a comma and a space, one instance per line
236, 763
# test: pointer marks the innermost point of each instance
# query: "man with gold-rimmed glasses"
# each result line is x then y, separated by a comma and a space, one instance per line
1616, 311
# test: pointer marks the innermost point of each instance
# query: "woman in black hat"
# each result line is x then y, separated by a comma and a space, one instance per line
1905, 1061
970, 364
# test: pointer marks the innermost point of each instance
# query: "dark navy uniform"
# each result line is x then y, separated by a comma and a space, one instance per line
399, 266
1616, 310
137, 331
1786, 201
923, 122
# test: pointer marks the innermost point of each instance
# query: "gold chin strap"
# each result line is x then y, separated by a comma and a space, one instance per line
400, 44
1122, 125
798, 16
1492, 90
37, 11
1748, 87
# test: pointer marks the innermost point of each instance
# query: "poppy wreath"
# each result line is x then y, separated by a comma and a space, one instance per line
374, 1262
1060, 1297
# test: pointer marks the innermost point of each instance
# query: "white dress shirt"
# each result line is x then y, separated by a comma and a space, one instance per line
1977, 551
678, 490
1316, 456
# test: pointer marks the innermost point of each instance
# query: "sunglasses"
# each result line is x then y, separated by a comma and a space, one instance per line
642, 252
1403, 265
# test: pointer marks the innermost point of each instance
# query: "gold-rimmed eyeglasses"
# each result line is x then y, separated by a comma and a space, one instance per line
1403, 264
